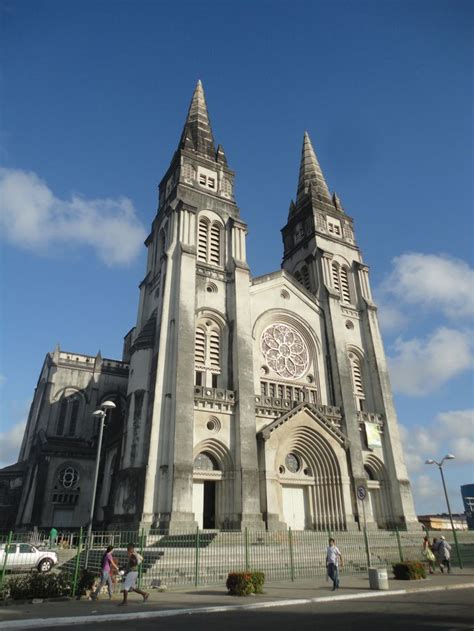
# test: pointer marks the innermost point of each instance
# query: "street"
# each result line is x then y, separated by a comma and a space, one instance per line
438, 611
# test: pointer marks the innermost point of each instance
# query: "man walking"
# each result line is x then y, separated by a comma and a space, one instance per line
444, 555
333, 558
131, 577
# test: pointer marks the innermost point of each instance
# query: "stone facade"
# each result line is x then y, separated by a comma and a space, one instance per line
259, 402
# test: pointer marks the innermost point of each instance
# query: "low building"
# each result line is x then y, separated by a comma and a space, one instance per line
442, 522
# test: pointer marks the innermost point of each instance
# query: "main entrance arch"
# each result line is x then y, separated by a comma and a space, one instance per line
307, 481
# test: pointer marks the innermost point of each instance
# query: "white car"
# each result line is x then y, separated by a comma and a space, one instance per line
24, 556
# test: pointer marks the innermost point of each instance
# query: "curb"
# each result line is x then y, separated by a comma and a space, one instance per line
38, 623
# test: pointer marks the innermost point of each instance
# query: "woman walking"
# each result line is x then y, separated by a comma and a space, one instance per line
428, 554
107, 565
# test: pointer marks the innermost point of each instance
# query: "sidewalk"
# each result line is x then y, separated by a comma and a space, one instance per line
213, 599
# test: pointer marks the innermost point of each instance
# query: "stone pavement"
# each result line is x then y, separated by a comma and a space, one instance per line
212, 599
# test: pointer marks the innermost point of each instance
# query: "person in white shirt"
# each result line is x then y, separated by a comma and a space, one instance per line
333, 558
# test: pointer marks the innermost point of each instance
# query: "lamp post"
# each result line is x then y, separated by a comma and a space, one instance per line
100, 414
440, 467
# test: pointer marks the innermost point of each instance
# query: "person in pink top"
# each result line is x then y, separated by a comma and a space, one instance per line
106, 566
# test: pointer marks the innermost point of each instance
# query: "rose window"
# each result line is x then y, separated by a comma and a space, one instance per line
285, 351
69, 477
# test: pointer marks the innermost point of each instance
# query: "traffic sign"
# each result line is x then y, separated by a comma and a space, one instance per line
361, 493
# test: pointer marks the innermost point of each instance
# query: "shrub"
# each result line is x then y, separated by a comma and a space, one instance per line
36, 585
258, 579
245, 583
409, 570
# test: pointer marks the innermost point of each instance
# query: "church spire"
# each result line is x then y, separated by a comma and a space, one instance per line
311, 177
197, 132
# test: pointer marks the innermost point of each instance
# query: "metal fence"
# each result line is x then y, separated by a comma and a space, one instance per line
206, 557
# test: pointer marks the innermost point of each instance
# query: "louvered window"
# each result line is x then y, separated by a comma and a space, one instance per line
62, 417
346, 294
214, 350
305, 277
335, 277
357, 382
203, 231
298, 277
74, 414
200, 347
209, 242
207, 355
215, 244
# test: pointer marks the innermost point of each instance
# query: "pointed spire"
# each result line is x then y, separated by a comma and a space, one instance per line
337, 203
197, 132
220, 155
311, 175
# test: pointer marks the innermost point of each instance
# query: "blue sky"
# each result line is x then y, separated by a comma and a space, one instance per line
94, 96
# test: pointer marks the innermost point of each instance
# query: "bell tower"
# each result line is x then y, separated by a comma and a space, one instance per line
321, 252
190, 349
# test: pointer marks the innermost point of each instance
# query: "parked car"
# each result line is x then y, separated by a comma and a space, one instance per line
24, 556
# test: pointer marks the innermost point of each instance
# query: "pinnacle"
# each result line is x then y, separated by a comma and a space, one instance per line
310, 172
197, 132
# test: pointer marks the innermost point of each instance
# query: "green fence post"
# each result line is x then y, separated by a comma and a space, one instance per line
292, 564
196, 565
367, 549
7, 549
247, 560
400, 549
78, 562
140, 567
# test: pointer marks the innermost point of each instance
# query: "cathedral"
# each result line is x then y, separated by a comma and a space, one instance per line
241, 401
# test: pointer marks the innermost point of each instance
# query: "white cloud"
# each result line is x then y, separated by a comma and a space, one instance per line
10, 443
457, 429
450, 432
32, 217
432, 281
420, 366
390, 316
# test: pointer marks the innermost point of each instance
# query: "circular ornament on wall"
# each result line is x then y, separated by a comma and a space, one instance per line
69, 477
213, 425
285, 350
293, 463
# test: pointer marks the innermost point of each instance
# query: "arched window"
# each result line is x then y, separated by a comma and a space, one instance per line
305, 277
215, 244
200, 348
340, 281
203, 231
205, 462
357, 380
345, 292
61, 417
209, 241
299, 277
207, 354
214, 348
335, 277
74, 404
68, 414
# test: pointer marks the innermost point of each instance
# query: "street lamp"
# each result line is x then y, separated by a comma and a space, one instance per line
440, 467
100, 414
